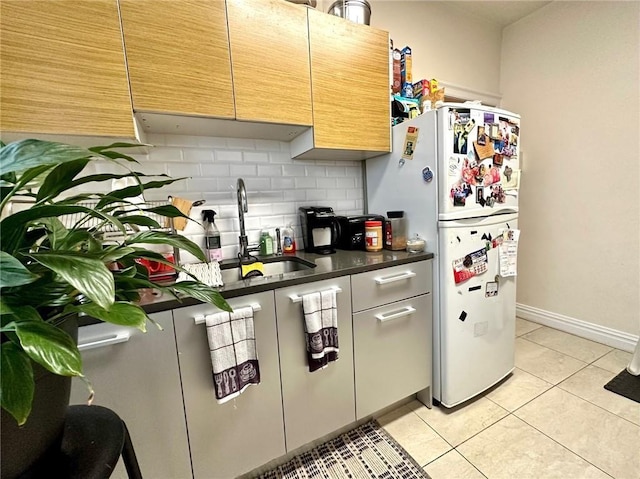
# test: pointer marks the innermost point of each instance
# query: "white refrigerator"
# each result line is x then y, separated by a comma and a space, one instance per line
455, 173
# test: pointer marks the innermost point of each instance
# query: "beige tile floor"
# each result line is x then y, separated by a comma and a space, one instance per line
551, 419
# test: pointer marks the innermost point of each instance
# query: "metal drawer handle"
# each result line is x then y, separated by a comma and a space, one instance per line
122, 337
396, 277
406, 311
199, 318
296, 299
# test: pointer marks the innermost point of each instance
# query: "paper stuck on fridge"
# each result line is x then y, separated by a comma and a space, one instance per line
508, 252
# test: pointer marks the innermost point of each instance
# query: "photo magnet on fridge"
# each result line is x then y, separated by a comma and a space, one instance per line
492, 289
480, 195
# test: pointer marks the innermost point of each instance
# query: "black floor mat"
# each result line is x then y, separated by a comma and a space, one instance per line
626, 385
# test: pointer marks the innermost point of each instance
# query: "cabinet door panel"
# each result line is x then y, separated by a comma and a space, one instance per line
63, 70
270, 54
350, 84
229, 439
178, 56
139, 380
318, 403
392, 353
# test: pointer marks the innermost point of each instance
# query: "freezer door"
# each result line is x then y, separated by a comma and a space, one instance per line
478, 151
477, 310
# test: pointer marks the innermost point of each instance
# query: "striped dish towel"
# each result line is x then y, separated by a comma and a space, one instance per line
234, 357
321, 328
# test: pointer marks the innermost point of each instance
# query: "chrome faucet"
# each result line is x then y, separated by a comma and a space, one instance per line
243, 207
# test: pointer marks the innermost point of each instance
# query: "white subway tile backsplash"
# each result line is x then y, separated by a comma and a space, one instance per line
305, 182
179, 170
243, 170
197, 155
228, 156
255, 157
276, 184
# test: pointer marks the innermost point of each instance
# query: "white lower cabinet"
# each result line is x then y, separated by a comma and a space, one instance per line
136, 375
317, 403
391, 342
229, 439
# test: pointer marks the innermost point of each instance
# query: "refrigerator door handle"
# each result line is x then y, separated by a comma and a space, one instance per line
406, 311
395, 277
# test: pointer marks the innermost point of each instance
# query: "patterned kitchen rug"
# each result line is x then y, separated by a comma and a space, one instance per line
362, 453
625, 384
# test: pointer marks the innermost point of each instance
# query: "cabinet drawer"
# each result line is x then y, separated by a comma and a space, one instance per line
379, 287
392, 353
252, 422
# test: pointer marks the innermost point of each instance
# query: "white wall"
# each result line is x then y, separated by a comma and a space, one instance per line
571, 70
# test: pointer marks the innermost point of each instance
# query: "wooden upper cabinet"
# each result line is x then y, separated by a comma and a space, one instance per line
270, 61
178, 56
350, 84
63, 69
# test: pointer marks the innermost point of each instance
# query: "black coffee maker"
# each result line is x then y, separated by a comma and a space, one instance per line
320, 229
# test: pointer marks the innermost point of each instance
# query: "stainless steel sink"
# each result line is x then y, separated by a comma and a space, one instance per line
272, 266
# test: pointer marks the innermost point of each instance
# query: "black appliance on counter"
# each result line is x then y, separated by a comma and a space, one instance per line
352, 230
320, 229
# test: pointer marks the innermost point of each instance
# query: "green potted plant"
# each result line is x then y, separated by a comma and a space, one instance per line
52, 271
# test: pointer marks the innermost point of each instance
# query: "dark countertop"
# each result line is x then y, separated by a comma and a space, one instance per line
341, 263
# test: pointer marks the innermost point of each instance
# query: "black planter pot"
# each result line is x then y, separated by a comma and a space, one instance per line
22, 447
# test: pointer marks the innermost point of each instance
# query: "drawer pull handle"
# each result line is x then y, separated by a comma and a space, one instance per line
122, 337
406, 311
297, 299
199, 318
396, 277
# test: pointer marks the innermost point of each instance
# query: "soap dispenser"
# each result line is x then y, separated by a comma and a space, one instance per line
212, 241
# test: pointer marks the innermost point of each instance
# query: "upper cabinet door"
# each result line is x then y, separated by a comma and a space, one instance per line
63, 69
270, 58
178, 56
350, 84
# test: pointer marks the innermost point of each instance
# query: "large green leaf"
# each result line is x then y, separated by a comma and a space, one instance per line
58, 180
122, 314
25, 154
108, 177
13, 272
50, 347
132, 191
17, 385
202, 292
139, 220
89, 276
171, 239
12, 227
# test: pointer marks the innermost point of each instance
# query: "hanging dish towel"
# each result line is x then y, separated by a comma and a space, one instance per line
321, 328
234, 358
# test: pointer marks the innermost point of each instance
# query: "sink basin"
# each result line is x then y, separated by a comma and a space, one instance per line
272, 266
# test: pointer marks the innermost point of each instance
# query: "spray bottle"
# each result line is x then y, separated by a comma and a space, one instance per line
212, 242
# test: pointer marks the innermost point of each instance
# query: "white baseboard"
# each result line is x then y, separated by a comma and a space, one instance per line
595, 332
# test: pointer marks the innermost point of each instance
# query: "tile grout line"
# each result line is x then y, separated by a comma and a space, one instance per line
559, 443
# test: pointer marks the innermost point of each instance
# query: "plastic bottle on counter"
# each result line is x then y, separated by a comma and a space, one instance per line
288, 239
213, 245
373, 235
266, 243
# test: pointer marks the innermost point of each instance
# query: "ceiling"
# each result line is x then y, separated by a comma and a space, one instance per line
499, 12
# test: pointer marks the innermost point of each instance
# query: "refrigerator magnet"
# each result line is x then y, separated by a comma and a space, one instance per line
492, 289
480, 195
427, 174
410, 141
